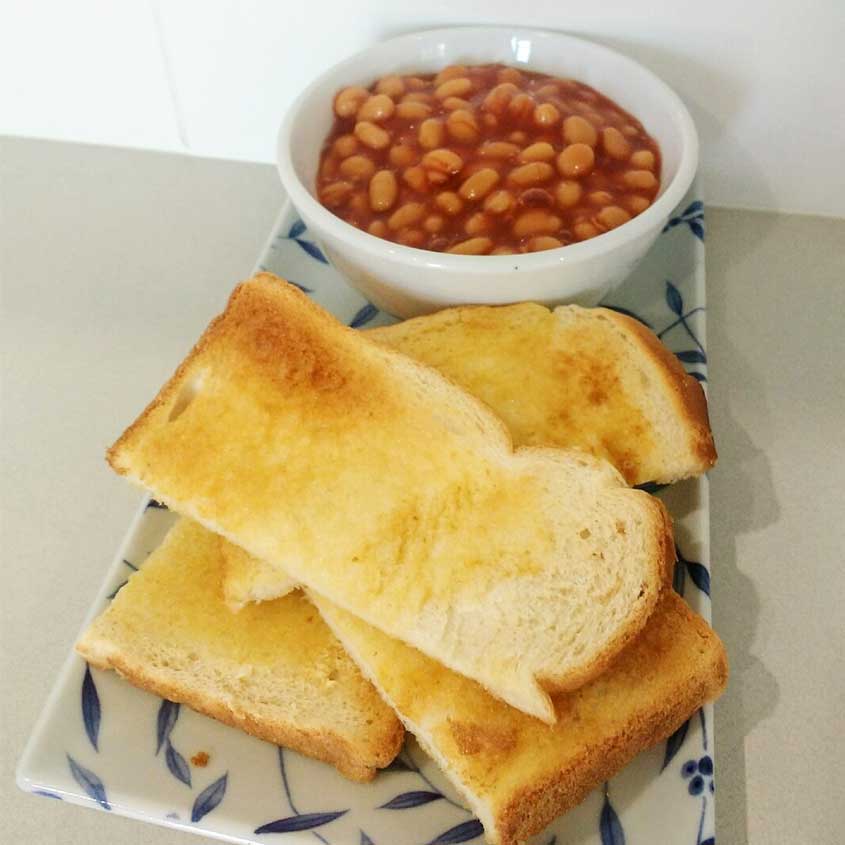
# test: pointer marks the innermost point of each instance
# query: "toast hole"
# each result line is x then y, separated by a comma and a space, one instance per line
620, 527
189, 391
584, 534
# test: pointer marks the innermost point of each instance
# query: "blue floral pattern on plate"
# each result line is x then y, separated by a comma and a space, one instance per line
107, 745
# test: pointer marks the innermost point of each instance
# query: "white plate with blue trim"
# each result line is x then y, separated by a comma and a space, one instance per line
103, 744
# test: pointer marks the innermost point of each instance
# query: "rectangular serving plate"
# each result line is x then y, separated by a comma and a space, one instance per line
101, 743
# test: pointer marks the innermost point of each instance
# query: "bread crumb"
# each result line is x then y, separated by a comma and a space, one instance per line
200, 759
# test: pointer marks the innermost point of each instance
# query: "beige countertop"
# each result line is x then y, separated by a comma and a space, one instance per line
111, 262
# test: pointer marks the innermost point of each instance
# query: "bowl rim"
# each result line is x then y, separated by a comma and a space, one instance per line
602, 244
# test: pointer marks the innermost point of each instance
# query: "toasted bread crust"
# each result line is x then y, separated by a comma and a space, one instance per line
325, 745
686, 391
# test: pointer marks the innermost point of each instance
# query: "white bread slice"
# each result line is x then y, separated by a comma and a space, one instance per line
384, 487
516, 773
274, 670
588, 378
247, 579
584, 378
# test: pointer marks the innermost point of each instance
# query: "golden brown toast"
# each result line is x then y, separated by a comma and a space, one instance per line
384, 487
275, 670
516, 773
585, 378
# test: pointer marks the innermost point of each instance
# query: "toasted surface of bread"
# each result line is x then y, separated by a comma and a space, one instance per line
516, 773
584, 378
588, 378
247, 579
275, 670
384, 487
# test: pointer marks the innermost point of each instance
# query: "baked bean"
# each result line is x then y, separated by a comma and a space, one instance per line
459, 87
452, 103
536, 222
546, 115
615, 144
383, 190
411, 237
499, 202
449, 202
639, 179
531, 174
328, 169
443, 160
402, 155
510, 74
585, 231
335, 194
434, 223
406, 215
450, 72
499, 149
416, 178
393, 86
462, 126
349, 100
377, 108
541, 151
372, 136
345, 145
477, 186
568, 193
576, 160
418, 97
542, 242
413, 110
474, 246
577, 130
485, 160
536, 198
521, 108
637, 204
644, 159
477, 224
357, 168
378, 228
358, 205
612, 216
431, 133
499, 98
599, 198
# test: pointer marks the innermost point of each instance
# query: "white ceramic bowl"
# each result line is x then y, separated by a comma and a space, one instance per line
406, 281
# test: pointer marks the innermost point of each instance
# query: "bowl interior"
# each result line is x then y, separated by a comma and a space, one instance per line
631, 86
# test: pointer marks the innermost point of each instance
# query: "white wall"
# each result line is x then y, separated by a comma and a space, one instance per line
765, 80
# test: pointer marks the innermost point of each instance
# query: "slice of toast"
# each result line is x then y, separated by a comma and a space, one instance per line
584, 378
275, 670
516, 773
386, 488
588, 378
